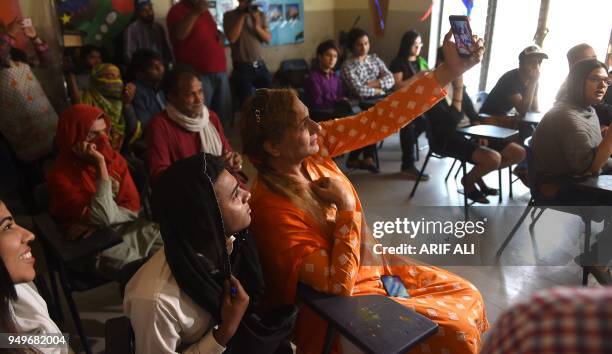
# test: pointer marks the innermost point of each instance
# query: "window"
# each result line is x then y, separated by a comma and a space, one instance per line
478, 19
569, 23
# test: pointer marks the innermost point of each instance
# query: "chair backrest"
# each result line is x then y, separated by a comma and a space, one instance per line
480, 98
293, 65
293, 73
119, 336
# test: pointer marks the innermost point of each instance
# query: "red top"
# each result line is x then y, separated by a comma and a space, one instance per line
72, 181
202, 48
168, 142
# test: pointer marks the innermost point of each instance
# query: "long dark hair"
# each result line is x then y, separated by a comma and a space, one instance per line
7, 294
577, 77
407, 42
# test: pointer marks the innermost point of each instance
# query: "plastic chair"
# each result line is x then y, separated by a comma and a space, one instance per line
63, 259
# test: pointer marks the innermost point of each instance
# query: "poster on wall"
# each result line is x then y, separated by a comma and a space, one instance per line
285, 18
99, 20
286, 21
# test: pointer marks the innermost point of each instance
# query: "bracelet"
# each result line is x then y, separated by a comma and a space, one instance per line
454, 100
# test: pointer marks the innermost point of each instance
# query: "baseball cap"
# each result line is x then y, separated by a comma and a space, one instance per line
531, 51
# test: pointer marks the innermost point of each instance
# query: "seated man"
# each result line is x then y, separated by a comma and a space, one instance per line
186, 127
90, 187
486, 156
147, 70
517, 89
323, 88
366, 76
145, 33
78, 77
28, 120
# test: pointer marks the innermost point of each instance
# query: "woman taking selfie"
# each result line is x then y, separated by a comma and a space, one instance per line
309, 223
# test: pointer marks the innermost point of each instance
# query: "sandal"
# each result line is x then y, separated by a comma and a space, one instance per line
368, 164
489, 191
353, 164
477, 197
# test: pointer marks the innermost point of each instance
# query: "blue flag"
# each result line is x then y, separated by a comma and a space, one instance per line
468, 5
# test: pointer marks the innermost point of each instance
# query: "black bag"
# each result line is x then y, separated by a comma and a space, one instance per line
265, 333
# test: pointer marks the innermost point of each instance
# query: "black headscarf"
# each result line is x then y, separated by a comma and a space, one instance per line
577, 77
185, 206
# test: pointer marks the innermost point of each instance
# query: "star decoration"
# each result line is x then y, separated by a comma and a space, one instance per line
65, 18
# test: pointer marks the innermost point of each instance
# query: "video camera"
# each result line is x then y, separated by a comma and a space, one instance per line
251, 8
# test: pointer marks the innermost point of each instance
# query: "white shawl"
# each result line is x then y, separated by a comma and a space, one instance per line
209, 136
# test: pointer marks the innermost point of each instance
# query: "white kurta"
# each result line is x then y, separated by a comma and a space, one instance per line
164, 318
32, 317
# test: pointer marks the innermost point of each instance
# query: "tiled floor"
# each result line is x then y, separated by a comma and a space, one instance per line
542, 261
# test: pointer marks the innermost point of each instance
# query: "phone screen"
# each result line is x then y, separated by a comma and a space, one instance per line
462, 33
26, 22
394, 286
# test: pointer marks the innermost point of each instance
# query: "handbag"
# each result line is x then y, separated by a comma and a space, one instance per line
265, 333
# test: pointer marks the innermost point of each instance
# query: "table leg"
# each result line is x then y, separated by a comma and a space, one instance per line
465, 201
510, 181
499, 178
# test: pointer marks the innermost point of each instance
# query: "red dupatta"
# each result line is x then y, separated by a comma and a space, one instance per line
72, 181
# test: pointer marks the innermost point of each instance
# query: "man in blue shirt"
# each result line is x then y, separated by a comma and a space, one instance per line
147, 71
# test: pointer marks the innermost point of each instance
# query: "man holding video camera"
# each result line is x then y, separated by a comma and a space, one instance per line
198, 44
246, 29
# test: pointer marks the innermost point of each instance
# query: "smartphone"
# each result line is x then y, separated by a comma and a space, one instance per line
462, 32
394, 286
26, 22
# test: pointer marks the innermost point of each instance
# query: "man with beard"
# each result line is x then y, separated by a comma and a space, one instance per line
144, 33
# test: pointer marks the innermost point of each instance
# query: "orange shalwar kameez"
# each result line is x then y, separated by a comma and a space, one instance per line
293, 247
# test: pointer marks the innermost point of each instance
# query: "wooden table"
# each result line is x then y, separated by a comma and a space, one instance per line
374, 323
492, 132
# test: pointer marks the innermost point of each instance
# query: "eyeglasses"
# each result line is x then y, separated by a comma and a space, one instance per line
600, 80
